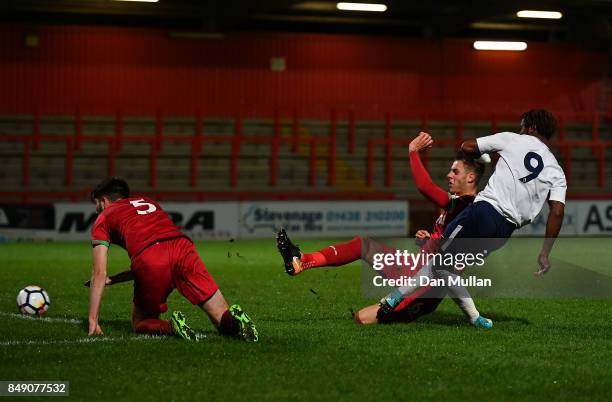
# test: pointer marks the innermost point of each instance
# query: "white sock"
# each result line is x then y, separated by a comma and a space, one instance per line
462, 297
469, 308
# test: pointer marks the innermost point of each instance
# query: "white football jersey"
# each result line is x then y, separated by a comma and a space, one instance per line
526, 176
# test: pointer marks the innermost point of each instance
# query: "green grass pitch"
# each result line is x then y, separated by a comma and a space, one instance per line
309, 349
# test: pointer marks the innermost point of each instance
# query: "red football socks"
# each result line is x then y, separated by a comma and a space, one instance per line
332, 256
228, 325
154, 326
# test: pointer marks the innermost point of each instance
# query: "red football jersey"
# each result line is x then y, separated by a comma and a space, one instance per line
456, 204
134, 224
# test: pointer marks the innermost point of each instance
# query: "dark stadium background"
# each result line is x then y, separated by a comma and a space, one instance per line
243, 116
275, 100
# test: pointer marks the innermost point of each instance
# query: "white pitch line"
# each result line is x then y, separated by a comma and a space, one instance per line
95, 339
73, 321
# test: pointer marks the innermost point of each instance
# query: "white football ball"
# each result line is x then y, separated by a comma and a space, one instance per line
33, 300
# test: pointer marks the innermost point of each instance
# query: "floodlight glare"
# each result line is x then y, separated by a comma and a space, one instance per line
551, 15
362, 7
493, 45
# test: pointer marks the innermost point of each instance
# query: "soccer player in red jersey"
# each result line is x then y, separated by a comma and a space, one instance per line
463, 179
162, 258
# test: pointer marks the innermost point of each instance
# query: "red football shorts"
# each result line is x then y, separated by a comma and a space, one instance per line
166, 265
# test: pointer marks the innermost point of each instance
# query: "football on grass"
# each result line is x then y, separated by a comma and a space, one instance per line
33, 300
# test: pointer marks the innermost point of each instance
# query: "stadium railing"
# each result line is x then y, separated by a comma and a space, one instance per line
74, 142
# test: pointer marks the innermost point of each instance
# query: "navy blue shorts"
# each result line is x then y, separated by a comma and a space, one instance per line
478, 221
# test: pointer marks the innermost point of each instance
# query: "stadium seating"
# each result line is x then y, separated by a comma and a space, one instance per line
165, 155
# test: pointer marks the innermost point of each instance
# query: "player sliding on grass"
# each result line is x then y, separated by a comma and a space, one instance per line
162, 258
526, 176
463, 180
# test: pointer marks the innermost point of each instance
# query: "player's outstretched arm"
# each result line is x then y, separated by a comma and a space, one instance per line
98, 281
423, 181
123, 276
553, 227
476, 147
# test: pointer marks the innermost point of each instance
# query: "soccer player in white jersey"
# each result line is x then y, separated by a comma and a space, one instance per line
526, 176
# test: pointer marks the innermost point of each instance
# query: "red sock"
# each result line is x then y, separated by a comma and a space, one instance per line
333, 256
154, 326
228, 325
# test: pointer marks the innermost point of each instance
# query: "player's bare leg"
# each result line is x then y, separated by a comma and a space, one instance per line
230, 321
215, 307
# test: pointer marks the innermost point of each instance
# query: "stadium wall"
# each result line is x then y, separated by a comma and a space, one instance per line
219, 220
100, 69
245, 220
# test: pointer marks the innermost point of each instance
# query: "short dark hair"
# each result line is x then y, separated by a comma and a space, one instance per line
543, 121
112, 187
471, 164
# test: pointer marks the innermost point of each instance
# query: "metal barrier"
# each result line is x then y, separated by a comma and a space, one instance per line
199, 140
